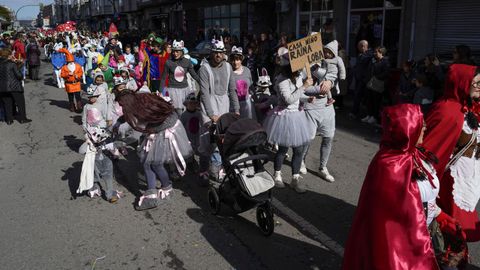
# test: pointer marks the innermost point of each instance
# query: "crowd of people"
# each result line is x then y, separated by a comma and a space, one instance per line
417, 205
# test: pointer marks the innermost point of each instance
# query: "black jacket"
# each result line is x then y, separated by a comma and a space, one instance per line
10, 77
380, 68
33, 54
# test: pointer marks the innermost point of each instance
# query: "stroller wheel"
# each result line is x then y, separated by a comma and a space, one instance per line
265, 219
213, 200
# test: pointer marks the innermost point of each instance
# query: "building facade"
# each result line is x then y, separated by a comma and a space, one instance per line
409, 29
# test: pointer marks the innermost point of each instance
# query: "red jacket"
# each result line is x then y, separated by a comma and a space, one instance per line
19, 49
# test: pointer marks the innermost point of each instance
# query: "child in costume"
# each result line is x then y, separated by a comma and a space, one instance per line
129, 57
191, 119
108, 73
72, 73
58, 61
97, 148
129, 81
81, 60
264, 101
164, 142
332, 59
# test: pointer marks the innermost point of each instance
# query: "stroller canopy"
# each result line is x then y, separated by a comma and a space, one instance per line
241, 135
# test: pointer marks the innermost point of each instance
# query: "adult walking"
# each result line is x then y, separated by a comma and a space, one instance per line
243, 82
217, 97
288, 126
360, 71
11, 89
320, 114
379, 69
33, 59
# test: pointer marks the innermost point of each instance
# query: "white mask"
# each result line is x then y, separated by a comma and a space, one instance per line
71, 66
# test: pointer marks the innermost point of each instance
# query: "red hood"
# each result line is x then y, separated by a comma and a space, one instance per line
457, 82
401, 127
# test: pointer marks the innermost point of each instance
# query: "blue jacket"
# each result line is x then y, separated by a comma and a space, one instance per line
80, 59
58, 60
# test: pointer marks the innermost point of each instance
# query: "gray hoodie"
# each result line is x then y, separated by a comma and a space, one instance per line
336, 63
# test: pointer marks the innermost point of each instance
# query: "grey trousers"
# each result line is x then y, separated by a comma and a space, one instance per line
325, 150
104, 173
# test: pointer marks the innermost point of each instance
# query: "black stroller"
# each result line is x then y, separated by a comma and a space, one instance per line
246, 183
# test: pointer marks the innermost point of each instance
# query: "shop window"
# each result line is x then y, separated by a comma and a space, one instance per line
216, 11
367, 4
365, 25
235, 27
224, 11
315, 5
222, 20
393, 3
208, 12
321, 5
304, 25
235, 10
305, 5
391, 36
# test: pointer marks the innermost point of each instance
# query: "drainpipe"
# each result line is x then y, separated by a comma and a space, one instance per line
412, 29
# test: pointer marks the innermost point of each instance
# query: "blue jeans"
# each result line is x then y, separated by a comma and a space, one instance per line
215, 160
296, 158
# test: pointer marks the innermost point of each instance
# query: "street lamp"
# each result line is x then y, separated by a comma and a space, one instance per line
16, 13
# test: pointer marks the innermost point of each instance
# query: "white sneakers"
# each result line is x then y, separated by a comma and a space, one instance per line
297, 185
278, 179
326, 175
303, 168
369, 120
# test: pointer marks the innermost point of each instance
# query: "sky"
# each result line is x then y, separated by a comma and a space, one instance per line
26, 13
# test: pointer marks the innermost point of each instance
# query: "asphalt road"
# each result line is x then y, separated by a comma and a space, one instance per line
43, 226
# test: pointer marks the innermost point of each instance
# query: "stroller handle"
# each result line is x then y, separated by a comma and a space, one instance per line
254, 157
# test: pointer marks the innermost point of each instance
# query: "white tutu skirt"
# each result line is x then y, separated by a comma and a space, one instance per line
178, 96
167, 146
288, 128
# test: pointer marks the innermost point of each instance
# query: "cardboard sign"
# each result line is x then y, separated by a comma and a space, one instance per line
305, 52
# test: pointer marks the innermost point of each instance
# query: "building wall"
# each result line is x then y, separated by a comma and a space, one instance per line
419, 16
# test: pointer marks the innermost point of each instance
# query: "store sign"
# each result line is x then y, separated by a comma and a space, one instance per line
305, 52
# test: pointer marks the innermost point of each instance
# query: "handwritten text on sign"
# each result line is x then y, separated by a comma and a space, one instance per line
304, 51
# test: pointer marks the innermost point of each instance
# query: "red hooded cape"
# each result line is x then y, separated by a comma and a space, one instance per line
389, 230
444, 125
445, 119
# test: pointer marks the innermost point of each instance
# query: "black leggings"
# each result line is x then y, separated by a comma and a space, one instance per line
33, 72
296, 159
374, 103
9, 101
76, 95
